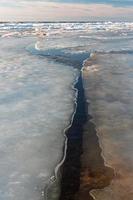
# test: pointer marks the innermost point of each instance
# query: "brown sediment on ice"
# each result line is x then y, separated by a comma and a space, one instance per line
84, 168
94, 174
108, 86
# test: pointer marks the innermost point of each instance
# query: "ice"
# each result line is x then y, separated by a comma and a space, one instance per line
59, 28
36, 104
37, 101
110, 92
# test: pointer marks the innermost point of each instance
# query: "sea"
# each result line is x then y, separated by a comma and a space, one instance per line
40, 64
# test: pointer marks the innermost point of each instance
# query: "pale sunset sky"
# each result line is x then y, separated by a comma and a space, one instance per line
66, 10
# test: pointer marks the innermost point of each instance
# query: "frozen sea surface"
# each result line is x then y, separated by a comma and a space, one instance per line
108, 83
37, 102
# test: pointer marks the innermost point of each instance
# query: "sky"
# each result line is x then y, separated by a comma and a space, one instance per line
66, 10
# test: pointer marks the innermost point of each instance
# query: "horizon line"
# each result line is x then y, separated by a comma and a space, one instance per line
64, 21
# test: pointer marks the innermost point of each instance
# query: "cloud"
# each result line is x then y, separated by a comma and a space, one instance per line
26, 10
122, 3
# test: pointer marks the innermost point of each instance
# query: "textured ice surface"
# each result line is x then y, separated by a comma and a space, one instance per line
109, 87
36, 103
25, 29
70, 26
